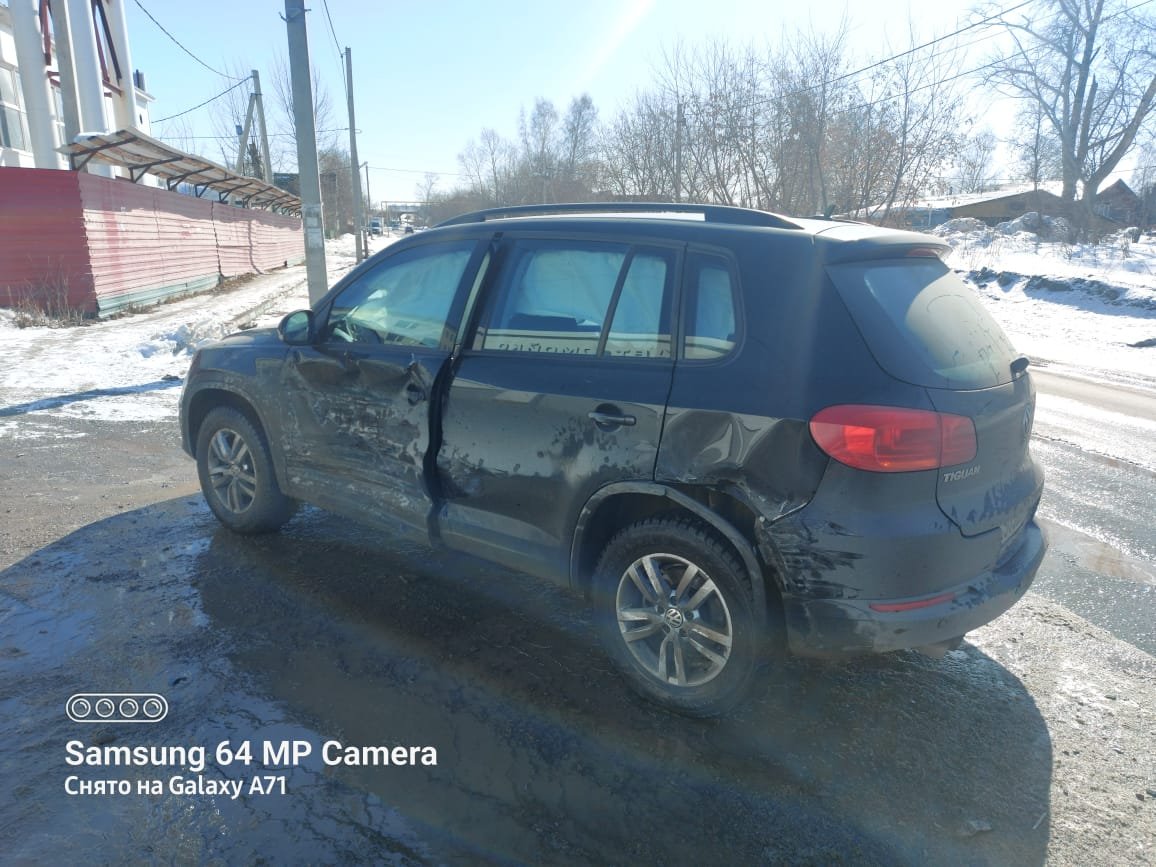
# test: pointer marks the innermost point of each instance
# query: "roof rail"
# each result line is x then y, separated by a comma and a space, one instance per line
709, 213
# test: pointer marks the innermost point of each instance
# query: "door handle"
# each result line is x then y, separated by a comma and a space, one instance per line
610, 418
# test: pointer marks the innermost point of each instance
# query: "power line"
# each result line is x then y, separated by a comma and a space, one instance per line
182, 47
202, 104
337, 45
957, 76
234, 138
910, 51
416, 171
332, 32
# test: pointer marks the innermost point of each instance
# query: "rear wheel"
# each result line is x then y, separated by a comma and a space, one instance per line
674, 609
236, 474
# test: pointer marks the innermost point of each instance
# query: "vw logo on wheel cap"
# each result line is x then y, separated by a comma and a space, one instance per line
674, 618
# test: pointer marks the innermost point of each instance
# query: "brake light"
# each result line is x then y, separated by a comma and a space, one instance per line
888, 439
923, 253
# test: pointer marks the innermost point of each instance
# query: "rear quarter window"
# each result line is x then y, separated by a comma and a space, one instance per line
923, 324
711, 320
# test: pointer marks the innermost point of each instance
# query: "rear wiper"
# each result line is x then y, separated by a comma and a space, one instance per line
1019, 366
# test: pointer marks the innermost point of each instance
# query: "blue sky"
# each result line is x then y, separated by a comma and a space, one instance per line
430, 75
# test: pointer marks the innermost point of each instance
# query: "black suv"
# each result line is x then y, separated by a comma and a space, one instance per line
731, 430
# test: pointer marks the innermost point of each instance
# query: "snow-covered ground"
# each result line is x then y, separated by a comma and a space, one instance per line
130, 369
1079, 309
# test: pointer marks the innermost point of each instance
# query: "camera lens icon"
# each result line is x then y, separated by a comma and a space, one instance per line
155, 708
117, 707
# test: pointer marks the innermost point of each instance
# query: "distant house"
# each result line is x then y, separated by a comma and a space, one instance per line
1119, 204
1116, 207
1000, 207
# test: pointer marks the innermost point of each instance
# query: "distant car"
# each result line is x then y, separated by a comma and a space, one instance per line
734, 434
408, 229
375, 226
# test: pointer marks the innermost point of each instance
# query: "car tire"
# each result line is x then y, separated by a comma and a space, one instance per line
696, 647
237, 476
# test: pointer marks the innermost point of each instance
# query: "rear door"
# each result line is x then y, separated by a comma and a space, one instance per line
356, 410
561, 391
925, 326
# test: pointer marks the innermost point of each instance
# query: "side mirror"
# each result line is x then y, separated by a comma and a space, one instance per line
296, 328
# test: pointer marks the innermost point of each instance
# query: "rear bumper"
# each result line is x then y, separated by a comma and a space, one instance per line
840, 627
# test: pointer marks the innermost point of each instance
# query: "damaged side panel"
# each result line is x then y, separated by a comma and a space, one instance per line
770, 465
356, 428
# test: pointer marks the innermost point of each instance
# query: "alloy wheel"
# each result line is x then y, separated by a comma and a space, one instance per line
231, 471
674, 620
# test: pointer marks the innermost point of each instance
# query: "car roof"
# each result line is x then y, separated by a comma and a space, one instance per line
841, 239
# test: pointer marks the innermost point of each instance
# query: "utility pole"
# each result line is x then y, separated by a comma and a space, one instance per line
266, 166
243, 143
368, 196
303, 122
679, 123
354, 165
256, 109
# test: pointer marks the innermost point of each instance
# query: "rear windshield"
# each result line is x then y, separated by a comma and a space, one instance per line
923, 324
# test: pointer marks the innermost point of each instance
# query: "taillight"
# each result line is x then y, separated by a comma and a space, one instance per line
888, 439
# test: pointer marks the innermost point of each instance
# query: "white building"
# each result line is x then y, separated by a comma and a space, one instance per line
79, 79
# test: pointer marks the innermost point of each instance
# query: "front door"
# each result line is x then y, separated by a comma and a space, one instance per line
356, 409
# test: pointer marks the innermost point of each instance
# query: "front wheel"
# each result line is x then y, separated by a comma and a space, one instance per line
674, 609
236, 474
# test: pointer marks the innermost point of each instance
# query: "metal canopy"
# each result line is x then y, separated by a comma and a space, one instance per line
140, 154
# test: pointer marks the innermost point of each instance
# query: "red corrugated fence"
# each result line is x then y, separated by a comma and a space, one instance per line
43, 253
102, 245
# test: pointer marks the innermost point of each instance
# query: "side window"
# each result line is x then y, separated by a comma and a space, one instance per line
711, 321
404, 300
581, 298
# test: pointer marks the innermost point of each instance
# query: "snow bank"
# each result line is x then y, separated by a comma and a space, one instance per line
1087, 308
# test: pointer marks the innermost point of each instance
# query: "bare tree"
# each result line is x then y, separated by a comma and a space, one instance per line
920, 109
540, 146
810, 92
973, 162
283, 147
716, 88
334, 168
228, 115
638, 150
1036, 147
179, 133
1144, 184
860, 149
1091, 67
489, 165
577, 169
426, 191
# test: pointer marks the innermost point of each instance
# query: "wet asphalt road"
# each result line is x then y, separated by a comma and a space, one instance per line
116, 577
1098, 445
543, 756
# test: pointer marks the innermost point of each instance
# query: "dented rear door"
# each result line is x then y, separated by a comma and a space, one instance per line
560, 392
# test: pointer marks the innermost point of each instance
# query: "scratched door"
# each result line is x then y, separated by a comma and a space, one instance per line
356, 413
